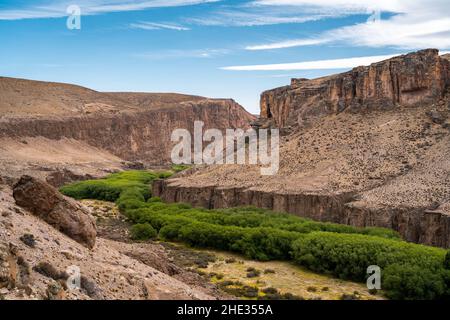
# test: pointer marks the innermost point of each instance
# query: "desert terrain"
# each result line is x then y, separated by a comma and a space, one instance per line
362, 149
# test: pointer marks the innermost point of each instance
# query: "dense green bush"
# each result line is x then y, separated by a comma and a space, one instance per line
409, 271
447, 260
111, 187
143, 231
413, 282
249, 217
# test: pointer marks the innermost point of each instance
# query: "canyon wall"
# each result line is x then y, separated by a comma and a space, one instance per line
132, 126
414, 224
417, 78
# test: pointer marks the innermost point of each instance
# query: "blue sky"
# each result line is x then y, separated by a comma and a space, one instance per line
230, 49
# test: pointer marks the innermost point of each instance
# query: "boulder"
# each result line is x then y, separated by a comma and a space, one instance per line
64, 214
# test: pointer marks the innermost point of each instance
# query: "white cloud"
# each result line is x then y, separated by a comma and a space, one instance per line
414, 24
289, 44
356, 5
347, 63
249, 19
157, 26
57, 9
253, 14
176, 54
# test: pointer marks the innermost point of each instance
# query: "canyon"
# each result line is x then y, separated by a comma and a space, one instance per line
60, 132
369, 147
52, 134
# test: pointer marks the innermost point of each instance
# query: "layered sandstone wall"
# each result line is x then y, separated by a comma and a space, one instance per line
417, 78
414, 224
134, 136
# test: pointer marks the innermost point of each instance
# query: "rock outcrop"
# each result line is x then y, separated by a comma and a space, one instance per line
64, 214
417, 78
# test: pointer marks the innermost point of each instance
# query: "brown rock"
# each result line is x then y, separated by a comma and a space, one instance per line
62, 213
409, 80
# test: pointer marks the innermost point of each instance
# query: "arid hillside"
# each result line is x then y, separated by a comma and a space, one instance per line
369, 147
70, 131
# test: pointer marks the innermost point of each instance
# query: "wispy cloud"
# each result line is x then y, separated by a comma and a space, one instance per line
289, 44
157, 26
57, 9
245, 19
413, 24
346, 63
177, 54
250, 14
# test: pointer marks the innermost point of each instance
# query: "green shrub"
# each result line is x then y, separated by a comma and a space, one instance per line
266, 244
447, 260
413, 282
409, 271
143, 231
154, 200
111, 187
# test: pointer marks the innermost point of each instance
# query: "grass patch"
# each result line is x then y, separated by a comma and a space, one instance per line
179, 167
135, 183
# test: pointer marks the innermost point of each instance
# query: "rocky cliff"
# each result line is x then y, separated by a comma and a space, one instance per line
82, 124
417, 78
131, 135
370, 147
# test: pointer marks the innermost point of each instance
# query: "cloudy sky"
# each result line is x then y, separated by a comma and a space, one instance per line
215, 48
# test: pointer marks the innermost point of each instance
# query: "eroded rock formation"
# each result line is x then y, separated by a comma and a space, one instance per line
417, 78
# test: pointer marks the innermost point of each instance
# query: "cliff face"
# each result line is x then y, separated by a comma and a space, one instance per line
416, 78
131, 126
133, 136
